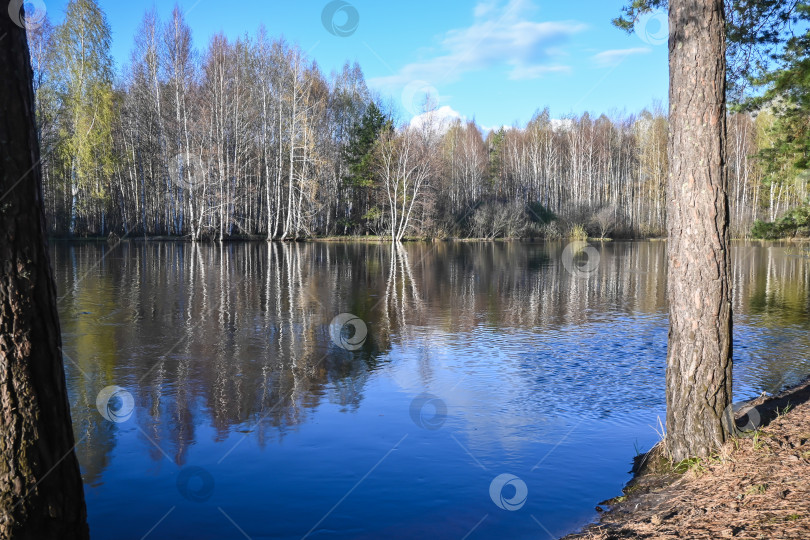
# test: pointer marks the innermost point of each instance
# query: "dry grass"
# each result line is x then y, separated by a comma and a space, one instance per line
756, 487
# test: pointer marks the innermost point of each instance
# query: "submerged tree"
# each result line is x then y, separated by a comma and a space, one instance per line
41, 493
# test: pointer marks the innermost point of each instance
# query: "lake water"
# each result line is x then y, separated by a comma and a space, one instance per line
474, 390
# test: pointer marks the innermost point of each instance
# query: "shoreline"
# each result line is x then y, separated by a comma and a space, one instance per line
336, 239
379, 239
754, 486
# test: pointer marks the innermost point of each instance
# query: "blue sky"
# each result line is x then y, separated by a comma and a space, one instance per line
497, 61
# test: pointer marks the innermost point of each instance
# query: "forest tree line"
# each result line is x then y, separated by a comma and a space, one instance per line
249, 138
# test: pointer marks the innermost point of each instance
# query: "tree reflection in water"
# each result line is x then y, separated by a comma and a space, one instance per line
225, 343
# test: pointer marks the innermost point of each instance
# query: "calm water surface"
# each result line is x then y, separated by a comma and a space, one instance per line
479, 359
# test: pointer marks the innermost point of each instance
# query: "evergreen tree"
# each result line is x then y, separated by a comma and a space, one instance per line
360, 151
787, 97
785, 103
754, 29
495, 174
359, 156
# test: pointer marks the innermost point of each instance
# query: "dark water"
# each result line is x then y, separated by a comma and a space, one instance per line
251, 419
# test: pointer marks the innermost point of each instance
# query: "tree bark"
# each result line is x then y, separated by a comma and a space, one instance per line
41, 493
699, 358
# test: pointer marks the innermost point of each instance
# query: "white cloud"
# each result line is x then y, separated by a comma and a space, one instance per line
486, 129
443, 118
534, 72
561, 124
482, 9
498, 37
614, 57
440, 120
557, 124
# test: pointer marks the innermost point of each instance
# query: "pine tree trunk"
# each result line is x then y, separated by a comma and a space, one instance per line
41, 493
699, 358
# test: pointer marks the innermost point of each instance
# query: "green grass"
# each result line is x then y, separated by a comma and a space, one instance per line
578, 232
756, 440
757, 489
694, 464
784, 411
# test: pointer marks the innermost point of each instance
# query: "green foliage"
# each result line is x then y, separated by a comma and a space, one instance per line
495, 142
763, 230
83, 73
373, 214
755, 30
763, 50
359, 154
578, 232
794, 223
786, 98
631, 12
